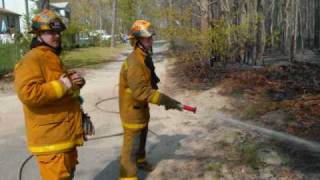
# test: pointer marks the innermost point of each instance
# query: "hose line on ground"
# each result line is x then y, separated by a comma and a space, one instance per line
22, 166
105, 100
90, 139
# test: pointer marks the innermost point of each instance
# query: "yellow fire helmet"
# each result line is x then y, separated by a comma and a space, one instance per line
140, 29
47, 20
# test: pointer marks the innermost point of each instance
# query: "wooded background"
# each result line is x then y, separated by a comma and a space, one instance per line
241, 30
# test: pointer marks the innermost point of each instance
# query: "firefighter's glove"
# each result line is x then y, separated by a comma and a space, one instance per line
170, 103
65, 81
87, 125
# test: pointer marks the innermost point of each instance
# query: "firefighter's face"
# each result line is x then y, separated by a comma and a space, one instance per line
147, 42
51, 38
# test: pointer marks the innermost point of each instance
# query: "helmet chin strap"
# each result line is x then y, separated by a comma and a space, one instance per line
144, 49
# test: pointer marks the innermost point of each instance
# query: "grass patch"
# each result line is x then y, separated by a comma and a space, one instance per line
249, 153
250, 111
214, 167
222, 144
91, 56
10, 54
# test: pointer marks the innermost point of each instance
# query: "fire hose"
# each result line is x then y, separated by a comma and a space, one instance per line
184, 107
22, 166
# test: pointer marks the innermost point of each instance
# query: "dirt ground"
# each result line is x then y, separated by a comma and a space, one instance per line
207, 145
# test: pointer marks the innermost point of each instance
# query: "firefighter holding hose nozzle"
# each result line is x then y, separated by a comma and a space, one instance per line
137, 88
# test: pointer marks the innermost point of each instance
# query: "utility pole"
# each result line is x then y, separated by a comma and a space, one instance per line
44, 4
114, 17
27, 13
3, 5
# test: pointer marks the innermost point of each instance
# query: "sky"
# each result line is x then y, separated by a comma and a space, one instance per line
18, 6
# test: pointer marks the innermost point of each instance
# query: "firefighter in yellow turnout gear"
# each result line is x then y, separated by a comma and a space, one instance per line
49, 94
137, 88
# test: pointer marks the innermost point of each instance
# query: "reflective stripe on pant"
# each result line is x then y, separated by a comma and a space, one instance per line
133, 149
59, 166
129, 178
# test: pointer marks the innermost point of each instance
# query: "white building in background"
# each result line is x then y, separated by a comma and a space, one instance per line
19, 7
13, 16
62, 8
9, 25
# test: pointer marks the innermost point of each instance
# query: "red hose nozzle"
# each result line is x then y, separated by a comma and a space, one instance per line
189, 108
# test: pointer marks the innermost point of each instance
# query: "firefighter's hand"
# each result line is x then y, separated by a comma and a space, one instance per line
170, 103
65, 81
76, 79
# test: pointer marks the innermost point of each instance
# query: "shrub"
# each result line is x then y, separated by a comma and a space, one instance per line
10, 54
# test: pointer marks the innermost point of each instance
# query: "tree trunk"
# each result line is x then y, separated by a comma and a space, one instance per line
242, 19
308, 24
285, 27
317, 24
251, 46
204, 6
224, 12
114, 18
271, 24
311, 27
294, 33
260, 43
301, 32
100, 22
169, 18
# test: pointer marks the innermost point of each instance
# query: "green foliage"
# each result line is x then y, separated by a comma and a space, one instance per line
10, 54
220, 38
250, 111
276, 35
214, 166
181, 33
24, 42
70, 34
36, 10
127, 12
131, 10
90, 56
223, 38
105, 43
249, 154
